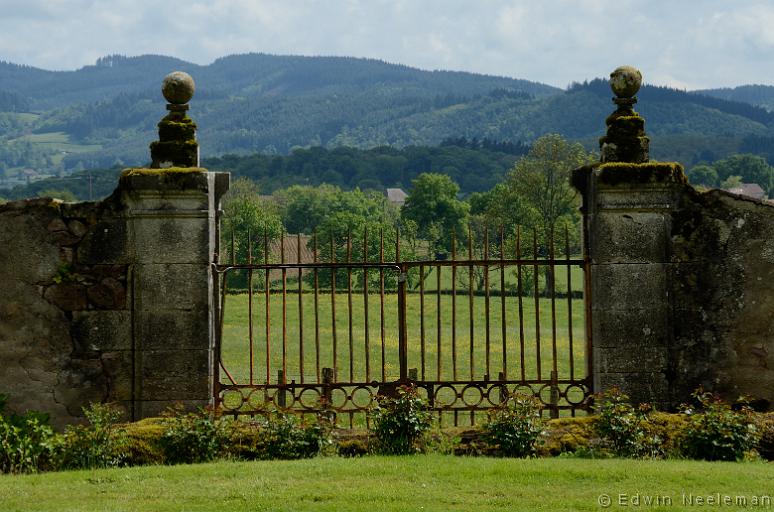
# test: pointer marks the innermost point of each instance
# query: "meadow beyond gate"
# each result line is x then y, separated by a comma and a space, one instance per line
311, 327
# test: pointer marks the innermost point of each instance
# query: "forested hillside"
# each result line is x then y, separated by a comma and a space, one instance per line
106, 114
760, 95
475, 165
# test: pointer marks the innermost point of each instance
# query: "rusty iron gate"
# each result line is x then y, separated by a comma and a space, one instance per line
468, 328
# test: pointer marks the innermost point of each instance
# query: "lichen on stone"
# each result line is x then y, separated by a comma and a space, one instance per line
145, 171
612, 173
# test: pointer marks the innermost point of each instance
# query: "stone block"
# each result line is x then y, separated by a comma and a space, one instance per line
189, 180
67, 296
102, 330
155, 408
621, 287
109, 293
641, 387
169, 329
175, 374
625, 198
645, 358
632, 328
168, 239
171, 286
630, 237
105, 243
95, 377
23, 232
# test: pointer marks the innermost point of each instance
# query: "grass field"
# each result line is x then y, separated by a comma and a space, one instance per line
235, 350
426, 483
59, 142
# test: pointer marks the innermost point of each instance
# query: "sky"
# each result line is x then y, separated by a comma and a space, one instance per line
688, 44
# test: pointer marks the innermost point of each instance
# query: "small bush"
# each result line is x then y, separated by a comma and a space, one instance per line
515, 427
718, 432
26, 442
567, 435
352, 448
192, 437
101, 443
282, 436
400, 423
442, 442
624, 428
144, 442
766, 442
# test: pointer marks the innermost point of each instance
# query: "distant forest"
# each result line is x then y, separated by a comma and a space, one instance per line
476, 165
105, 115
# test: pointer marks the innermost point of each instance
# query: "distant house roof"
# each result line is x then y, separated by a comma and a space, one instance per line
749, 189
396, 196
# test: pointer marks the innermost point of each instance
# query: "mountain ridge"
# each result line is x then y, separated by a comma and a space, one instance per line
106, 113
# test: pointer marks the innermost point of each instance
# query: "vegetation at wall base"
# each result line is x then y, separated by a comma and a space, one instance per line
624, 428
280, 436
515, 427
27, 442
190, 437
101, 443
400, 422
400, 426
716, 431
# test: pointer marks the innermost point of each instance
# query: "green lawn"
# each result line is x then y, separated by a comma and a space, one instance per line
427, 483
235, 350
444, 332
58, 142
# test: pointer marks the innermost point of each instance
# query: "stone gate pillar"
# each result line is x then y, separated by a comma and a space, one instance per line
172, 230
171, 220
627, 206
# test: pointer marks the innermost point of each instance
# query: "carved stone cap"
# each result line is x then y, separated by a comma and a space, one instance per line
625, 81
178, 87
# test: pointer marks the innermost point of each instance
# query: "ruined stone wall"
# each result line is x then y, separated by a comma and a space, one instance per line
65, 335
110, 301
723, 284
682, 285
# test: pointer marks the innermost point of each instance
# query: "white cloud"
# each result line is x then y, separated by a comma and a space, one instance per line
690, 43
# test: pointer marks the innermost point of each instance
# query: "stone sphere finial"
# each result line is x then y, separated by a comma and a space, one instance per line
625, 81
178, 87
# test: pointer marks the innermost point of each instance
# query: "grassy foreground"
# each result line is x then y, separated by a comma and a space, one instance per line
390, 483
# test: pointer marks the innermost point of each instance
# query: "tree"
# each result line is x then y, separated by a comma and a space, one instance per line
304, 208
540, 182
703, 174
248, 218
731, 182
342, 234
750, 168
537, 197
432, 203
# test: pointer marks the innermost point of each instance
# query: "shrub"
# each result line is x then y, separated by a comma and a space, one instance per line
567, 435
718, 432
442, 442
624, 428
766, 443
352, 448
192, 437
400, 423
144, 442
515, 427
26, 442
281, 436
101, 443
